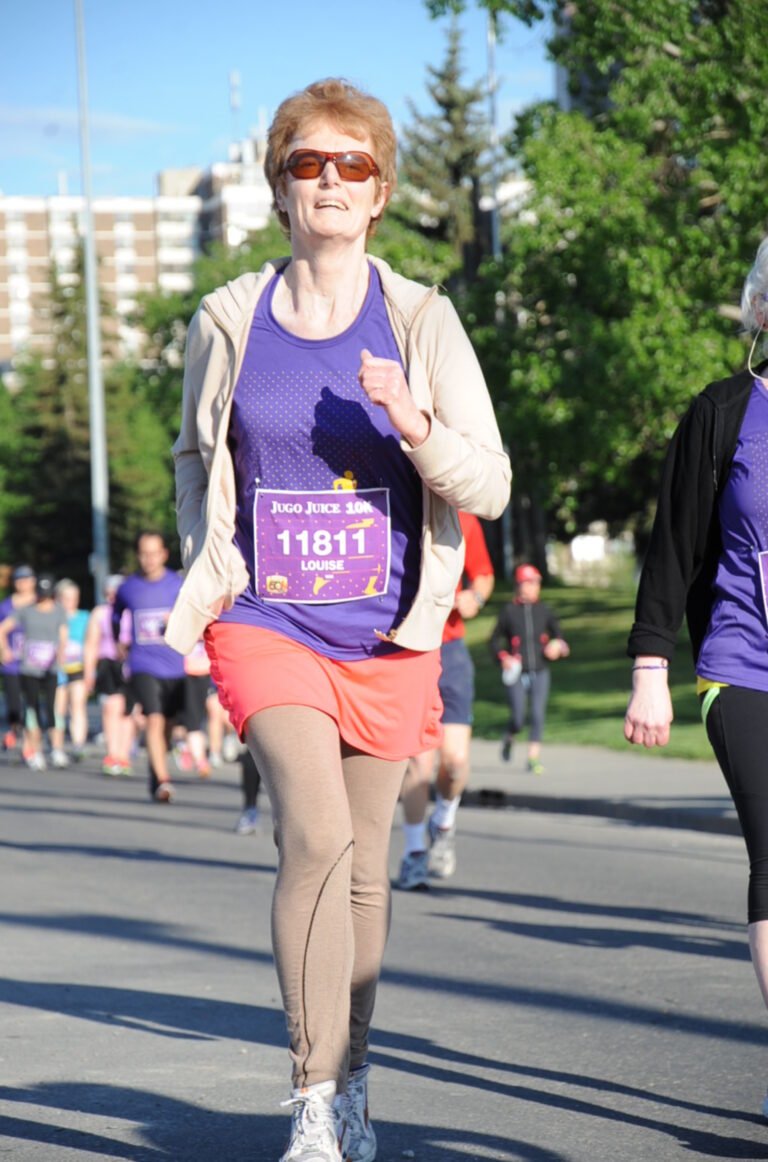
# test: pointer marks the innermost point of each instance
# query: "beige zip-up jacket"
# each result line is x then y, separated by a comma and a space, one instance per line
462, 463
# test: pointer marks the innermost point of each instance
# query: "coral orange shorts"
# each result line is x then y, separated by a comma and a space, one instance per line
388, 706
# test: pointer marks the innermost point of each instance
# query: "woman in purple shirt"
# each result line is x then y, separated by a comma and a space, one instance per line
24, 582
708, 558
349, 419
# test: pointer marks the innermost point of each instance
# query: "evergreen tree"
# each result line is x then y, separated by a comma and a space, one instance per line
445, 164
401, 242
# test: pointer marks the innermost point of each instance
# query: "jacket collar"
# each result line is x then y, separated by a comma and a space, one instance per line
231, 304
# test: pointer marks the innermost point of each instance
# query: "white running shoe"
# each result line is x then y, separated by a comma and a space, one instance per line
230, 748
414, 872
318, 1134
59, 759
248, 823
442, 853
36, 761
353, 1108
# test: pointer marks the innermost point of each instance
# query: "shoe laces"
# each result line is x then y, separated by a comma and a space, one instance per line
314, 1122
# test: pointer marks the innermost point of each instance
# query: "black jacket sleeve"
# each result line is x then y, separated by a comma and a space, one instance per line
680, 535
686, 540
502, 632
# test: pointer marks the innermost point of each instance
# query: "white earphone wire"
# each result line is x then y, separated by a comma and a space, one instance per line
752, 352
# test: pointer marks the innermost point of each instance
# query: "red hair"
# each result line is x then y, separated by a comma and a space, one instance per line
336, 102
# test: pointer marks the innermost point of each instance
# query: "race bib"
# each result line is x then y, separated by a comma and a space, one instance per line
73, 655
39, 655
149, 626
321, 547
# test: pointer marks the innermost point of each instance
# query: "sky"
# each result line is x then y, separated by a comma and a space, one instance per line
158, 77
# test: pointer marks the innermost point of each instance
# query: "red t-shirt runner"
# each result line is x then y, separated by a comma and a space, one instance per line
477, 563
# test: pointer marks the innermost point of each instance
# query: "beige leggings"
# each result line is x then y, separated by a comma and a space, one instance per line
332, 808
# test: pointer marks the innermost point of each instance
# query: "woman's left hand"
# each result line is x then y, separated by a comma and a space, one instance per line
556, 648
384, 382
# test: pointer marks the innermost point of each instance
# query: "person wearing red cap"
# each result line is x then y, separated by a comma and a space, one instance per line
525, 639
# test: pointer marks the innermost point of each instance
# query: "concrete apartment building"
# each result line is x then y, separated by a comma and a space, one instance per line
143, 243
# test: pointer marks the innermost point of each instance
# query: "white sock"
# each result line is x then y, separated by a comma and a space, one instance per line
444, 814
415, 837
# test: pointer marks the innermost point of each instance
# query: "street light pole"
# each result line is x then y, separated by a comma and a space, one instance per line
507, 532
99, 559
494, 134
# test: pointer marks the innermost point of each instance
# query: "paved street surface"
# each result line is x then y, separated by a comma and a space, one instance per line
579, 991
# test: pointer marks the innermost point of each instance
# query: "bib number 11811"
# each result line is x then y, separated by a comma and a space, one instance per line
321, 542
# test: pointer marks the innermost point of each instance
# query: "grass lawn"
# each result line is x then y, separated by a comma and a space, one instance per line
591, 687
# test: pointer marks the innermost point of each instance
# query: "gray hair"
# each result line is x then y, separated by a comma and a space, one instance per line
755, 286
64, 584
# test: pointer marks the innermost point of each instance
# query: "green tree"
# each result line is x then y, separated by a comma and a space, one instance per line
408, 249
620, 279
141, 479
46, 514
49, 521
9, 453
164, 319
526, 10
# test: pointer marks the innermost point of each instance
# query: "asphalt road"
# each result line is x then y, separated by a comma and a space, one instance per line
579, 991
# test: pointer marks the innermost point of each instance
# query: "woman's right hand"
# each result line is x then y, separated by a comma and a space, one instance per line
384, 382
649, 713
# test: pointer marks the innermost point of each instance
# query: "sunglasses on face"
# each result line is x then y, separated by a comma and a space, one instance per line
351, 166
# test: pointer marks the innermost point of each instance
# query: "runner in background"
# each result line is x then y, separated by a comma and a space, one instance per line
525, 640
156, 671
44, 628
223, 744
197, 687
23, 580
250, 781
430, 850
71, 693
104, 676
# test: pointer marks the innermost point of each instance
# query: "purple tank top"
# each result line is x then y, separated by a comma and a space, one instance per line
15, 638
107, 647
735, 648
329, 509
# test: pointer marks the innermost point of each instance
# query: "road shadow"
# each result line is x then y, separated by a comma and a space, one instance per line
583, 936
159, 1014
170, 1128
140, 854
167, 1127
